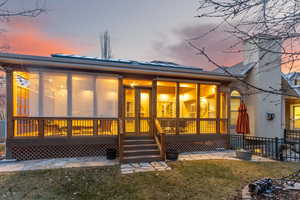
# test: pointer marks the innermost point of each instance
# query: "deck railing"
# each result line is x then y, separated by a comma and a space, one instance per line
64, 127
183, 126
160, 139
291, 135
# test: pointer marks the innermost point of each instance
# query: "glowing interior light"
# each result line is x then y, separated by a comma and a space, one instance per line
163, 97
144, 96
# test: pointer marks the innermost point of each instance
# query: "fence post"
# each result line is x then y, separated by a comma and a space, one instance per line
243, 141
284, 136
276, 148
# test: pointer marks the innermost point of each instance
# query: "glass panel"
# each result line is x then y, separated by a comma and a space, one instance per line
82, 95
130, 126
144, 126
208, 101
188, 100
129, 103
235, 93
223, 103
233, 117
26, 94
55, 94
235, 104
133, 83
144, 103
107, 96
296, 119
166, 99
208, 126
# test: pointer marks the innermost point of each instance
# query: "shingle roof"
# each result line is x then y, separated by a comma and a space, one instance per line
237, 69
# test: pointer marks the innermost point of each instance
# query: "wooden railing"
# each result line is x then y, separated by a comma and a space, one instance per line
64, 127
120, 140
160, 138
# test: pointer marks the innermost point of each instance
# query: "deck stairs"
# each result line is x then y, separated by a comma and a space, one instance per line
140, 149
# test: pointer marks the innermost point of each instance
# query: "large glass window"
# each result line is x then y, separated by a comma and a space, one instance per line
208, 101
296, 116
188, 100
235, 102
166, 99
107, 96
26, 94
82, 95
55, 94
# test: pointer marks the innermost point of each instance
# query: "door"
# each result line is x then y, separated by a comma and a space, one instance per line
137, 103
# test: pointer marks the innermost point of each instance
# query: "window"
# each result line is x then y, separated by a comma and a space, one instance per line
107, 96
188, 100
92, 96
26, 94
55, 94
235, 102
295, 122
208, 101
166, 99
82, 95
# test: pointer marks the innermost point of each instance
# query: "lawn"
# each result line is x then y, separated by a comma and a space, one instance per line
209, 180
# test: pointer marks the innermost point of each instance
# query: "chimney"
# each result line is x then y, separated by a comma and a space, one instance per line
265, 109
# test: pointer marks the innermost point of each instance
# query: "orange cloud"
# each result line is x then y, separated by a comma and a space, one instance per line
26, 37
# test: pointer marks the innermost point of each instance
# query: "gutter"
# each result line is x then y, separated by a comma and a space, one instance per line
70, 63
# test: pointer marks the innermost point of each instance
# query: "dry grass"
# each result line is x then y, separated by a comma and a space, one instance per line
209, 180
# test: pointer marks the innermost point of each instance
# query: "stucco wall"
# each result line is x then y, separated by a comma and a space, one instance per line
266, 74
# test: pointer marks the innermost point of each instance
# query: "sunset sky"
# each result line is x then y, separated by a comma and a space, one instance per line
140, 30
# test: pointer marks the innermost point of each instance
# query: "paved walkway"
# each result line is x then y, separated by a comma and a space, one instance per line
144, 167
102, 161
55, 163
213, 155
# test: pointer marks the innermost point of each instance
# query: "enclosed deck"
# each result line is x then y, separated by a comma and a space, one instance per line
59, 112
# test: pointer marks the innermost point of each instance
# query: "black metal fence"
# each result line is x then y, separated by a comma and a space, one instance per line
282, 149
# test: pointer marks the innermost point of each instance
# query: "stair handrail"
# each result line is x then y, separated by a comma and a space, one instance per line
120, 139
160, 138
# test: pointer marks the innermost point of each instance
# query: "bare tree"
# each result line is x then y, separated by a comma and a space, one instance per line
6, 13
253, 20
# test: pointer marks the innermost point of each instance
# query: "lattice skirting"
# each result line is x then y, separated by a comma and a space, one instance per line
31, 152
198, 146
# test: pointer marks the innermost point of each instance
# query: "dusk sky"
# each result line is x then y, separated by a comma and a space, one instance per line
140, 30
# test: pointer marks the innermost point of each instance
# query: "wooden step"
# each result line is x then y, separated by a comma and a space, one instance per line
130, 141
141, 152
138, 137
139, 147
145, 158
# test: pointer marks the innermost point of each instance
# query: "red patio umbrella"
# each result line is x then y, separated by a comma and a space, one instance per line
242, 125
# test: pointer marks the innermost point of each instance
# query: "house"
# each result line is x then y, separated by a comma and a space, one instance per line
68, 105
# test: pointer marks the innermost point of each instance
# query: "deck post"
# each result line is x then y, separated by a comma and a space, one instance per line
177, 108
218, 109
9, 111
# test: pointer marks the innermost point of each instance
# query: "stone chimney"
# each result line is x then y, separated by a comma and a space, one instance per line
265, 109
